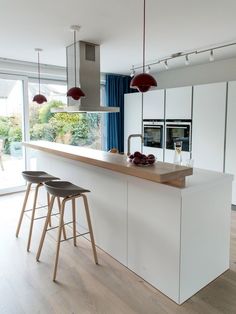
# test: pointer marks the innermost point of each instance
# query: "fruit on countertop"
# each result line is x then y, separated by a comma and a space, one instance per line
138, 158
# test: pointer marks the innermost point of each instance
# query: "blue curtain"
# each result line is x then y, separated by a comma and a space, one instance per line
116, 87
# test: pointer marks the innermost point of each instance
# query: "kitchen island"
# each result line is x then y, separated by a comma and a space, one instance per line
174, 236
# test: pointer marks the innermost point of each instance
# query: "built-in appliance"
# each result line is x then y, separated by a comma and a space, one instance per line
176, 131
153, 133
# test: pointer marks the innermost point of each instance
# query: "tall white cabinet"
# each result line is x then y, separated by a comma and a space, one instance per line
178, 107
230, 156
209, 108
133, 120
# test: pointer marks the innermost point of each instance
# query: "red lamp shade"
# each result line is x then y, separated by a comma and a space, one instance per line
39, 99
143, 82
76, 93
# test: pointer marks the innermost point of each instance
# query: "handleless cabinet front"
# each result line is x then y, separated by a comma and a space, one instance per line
153, 104
230, 154
133, 120
179, 103
208, 135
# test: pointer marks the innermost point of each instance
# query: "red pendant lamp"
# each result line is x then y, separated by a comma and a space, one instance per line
75, 92
143, 81
39, 98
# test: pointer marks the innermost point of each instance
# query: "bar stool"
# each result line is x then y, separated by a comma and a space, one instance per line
69, 192
38, 178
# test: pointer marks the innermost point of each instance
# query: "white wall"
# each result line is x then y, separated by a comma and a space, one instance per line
217, 71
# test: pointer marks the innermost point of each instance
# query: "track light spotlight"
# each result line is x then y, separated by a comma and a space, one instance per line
211, 58
148, 69
166, 64
187, 62
132, 72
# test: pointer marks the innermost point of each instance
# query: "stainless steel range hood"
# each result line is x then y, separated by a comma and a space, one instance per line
88, 78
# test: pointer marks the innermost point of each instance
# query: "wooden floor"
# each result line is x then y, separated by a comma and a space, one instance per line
84, 288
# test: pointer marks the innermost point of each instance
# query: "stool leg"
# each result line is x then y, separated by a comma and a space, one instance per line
59, 208
23, 208
45, 228
33, 214
90, 228
59, 238
48, 199
74, 221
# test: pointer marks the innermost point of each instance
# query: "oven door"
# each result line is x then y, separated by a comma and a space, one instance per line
176, 133
153, 135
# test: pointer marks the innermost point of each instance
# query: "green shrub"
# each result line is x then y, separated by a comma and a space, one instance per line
44, 112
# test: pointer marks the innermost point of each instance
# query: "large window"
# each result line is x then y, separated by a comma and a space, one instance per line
80, 129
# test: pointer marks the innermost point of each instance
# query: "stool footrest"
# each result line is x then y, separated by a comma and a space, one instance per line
29, 210
78, 235
67, 223
46, 216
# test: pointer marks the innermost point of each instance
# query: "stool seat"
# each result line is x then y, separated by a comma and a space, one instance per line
63, 188
37, 176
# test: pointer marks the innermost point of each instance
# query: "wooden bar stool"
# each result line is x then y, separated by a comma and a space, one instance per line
69, 192
38, 178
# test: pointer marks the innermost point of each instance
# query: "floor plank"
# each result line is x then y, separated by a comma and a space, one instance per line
85, 288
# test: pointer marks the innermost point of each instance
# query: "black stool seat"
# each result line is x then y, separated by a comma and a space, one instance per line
63, 188
37, 176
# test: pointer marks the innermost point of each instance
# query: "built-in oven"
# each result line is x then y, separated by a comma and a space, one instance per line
178, 131
153, 133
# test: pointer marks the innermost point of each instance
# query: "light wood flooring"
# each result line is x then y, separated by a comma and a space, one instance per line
84, 288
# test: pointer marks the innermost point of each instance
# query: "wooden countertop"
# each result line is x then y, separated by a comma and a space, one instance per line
160, 172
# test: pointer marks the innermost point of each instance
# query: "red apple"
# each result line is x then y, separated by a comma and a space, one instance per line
138, 154
136, 160
151, 156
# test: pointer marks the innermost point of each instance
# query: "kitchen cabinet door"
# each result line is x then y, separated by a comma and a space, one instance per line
209, 104
230, 156
133, 120
179, 103
153, 104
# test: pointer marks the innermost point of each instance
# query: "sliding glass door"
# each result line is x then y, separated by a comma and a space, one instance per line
12, 133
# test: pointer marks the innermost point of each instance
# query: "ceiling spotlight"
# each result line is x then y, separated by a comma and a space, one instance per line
187, 62
132, 72
166, 64
211, 58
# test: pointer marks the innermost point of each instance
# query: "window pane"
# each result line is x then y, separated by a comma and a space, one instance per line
78, 129
11, 153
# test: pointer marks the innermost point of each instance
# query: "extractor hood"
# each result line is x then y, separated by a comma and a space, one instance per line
88, 78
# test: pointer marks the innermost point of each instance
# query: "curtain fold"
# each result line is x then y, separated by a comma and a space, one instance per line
116, 87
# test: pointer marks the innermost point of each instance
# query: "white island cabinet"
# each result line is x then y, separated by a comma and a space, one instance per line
133, 120
230, 153
177, 239
209, 106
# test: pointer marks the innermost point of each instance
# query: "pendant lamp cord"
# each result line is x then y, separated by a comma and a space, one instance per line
75, 54
144, 30
39, 72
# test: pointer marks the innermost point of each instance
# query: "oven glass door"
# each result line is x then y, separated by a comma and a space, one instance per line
153, 136
176, 133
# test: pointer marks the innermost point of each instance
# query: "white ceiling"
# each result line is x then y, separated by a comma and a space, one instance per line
116, 25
